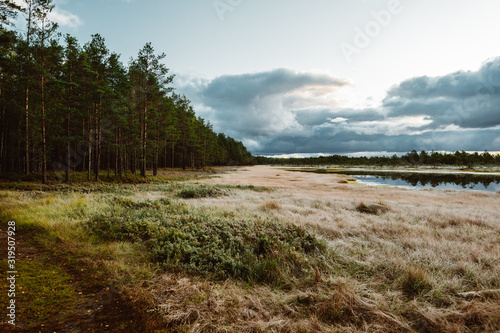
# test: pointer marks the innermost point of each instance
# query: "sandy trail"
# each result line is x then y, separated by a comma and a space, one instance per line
280, 178
330, 186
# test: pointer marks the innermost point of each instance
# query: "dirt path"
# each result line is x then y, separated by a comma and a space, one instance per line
97, 306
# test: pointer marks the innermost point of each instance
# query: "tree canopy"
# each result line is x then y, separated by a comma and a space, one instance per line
413, 158
68, 107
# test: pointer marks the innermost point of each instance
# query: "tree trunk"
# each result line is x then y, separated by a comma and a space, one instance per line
68, 147
173, 156
97, 161
133, 165
144, 139
44, 139
26, 109
120, 149
165, 155
116, 151
68, 131
108, 162
90, 148
2, 142
155, 162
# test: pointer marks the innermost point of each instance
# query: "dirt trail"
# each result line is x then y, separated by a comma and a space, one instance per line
99, 307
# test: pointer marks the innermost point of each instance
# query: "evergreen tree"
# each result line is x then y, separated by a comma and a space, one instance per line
149, 78
81, 109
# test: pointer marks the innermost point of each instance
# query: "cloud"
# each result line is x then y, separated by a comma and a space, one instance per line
65, 18
283, 111
245, 88
263, 104
465, 99
60, 16
345, 141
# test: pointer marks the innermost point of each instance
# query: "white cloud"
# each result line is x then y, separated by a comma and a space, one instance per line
287, 111
391, 126
65, 18
338, 120
60, 16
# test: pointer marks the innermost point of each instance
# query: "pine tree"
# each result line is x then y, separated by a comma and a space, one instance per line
149, 78
120, 108
68, 95
97, 53
8, 11
44, 30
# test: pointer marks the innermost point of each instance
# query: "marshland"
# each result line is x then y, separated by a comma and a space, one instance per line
255, 249
249, 166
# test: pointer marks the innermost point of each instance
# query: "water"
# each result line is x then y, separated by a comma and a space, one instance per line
442, 181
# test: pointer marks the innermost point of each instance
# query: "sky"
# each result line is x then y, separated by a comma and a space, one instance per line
320, 76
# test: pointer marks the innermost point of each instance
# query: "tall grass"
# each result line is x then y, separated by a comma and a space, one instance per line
283, 260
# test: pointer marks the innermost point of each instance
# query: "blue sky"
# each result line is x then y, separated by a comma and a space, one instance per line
319, 76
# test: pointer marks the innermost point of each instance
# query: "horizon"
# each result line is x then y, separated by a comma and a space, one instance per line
352, 76
361, 154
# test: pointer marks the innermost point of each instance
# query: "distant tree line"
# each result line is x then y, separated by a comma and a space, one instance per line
68, 107
459, 158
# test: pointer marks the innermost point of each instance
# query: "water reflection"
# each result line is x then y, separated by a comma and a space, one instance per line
453, 181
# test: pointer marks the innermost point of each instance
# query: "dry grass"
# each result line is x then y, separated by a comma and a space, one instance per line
375, 209
194, 305
412, 261
270, 206
430, 263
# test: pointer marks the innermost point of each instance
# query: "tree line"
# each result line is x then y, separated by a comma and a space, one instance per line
68, 107
413, 158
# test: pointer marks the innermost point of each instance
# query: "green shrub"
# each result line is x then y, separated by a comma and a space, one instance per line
252, 188
201, 191
252, 251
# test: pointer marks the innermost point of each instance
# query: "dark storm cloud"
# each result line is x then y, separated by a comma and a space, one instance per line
254, 106
245, 88
485, 81
347, 141
315, 117
286, 111
465, 99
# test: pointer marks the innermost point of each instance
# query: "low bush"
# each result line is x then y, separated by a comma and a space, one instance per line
200, 191
252, 188
252, 251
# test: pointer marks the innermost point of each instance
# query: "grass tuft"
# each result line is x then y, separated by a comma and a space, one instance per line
375, 209
415, 281
270, 206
